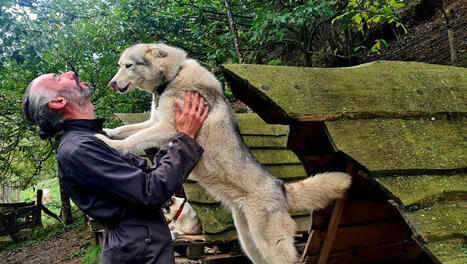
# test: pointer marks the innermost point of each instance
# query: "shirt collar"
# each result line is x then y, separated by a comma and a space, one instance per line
94, 125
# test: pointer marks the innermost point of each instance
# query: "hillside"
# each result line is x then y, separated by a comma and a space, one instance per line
427, 38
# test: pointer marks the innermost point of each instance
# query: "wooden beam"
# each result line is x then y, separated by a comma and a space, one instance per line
405, 251
334, 222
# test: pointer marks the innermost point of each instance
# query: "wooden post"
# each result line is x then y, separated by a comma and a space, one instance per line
334, 222
37, 219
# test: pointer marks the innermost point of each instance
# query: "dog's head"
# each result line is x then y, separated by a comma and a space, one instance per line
171, 207
147, 66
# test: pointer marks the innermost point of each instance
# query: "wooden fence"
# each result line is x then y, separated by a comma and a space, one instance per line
17, 216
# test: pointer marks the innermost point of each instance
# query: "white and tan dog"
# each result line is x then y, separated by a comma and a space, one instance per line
181, 217
260, 203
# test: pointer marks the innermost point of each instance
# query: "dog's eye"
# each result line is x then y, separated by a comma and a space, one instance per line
128, 65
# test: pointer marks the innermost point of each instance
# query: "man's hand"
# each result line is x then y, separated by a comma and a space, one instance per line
192, 118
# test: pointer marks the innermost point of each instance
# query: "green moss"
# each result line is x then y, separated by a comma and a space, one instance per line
395, 144
265, 141
275, 156
214, 218
196, 193
379, 87
444, 227
295, 171
252, 124
424, 189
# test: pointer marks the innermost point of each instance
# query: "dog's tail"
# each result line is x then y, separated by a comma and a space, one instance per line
317, 191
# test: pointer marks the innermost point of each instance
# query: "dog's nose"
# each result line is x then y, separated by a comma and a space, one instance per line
113, 85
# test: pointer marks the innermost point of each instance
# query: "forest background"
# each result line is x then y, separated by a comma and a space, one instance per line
87, 37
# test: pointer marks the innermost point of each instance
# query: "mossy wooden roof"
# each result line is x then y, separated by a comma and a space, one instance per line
404, 122
389, 145
437, 207
378, 89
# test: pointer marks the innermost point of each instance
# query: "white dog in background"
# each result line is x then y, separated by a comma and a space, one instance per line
260, 203
181, 217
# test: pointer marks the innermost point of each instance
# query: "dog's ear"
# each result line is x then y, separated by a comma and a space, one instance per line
156, 52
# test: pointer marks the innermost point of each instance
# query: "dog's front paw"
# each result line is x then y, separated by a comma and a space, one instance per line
110, 132
116, 144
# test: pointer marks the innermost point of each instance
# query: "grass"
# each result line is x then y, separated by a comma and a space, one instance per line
92, 255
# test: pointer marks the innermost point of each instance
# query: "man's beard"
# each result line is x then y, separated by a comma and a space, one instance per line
86, 93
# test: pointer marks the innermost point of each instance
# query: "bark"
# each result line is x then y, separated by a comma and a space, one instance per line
65, 213
234, 31
451, 37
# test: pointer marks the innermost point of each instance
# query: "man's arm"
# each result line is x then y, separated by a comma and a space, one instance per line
105, 172
97, 167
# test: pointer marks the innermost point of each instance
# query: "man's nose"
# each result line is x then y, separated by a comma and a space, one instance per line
69, 75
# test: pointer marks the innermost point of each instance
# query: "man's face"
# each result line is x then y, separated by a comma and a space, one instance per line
65, 82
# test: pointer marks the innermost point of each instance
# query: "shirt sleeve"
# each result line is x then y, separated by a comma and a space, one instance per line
102, 170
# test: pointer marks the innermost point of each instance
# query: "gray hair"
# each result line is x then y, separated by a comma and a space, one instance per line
37, 111
36, 107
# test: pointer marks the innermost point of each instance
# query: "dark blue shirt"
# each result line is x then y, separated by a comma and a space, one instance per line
123, 192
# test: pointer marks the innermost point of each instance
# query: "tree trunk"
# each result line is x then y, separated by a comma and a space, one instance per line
451, 37
65, 213
234, 31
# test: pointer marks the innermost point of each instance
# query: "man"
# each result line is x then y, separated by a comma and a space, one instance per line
119, 190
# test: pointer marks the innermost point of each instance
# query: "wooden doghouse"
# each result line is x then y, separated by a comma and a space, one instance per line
399, 128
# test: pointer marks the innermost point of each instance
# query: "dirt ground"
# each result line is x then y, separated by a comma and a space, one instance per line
62, 248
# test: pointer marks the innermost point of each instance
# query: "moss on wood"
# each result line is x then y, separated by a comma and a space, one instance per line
373, 89
295, 171
398, 145
252, 124
196, 193
214, 218
275, 156
424, 190
265, 141
444, 227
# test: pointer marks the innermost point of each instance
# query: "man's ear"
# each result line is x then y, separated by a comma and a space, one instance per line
58, 103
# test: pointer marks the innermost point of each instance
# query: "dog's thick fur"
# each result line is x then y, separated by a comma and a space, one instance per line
259, 202
187, 223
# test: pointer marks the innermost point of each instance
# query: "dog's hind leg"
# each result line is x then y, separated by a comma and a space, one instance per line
273, 233
244, 236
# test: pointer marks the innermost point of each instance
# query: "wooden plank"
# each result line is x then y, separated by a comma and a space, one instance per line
265, 141
407, 251
370, 235
252, 124
334, 222
275, 156
367, 90
429, 188
357, 213
394, 145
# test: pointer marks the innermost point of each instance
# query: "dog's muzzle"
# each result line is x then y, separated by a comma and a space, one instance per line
115, 87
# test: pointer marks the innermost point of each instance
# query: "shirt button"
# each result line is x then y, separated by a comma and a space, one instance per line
148, 240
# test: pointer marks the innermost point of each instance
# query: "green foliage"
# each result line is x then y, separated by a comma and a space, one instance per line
275, 62
87, 36
363, 14
92, 255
